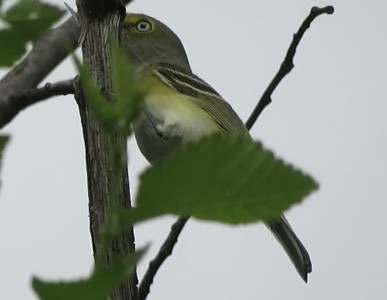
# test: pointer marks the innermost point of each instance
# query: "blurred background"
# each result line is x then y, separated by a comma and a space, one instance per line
328, 117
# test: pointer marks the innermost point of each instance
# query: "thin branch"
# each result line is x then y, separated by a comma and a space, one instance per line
287, 64
21, 100
64, 87
164, 252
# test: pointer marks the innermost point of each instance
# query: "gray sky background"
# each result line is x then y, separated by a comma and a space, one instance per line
328, 117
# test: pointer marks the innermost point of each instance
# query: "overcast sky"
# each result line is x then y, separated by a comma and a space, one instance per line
328, 117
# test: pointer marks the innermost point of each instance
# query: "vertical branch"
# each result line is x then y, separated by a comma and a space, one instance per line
99, 21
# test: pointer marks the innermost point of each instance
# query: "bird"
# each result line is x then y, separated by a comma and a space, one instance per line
181, 107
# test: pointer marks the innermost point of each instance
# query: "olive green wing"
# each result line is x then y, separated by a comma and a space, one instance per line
204, 95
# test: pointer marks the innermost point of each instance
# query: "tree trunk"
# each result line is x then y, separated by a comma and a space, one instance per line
99, 22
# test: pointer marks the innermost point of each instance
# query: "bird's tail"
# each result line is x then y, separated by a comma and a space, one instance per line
292, 245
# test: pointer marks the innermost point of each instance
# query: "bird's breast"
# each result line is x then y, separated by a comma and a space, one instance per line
182, 118
181, 111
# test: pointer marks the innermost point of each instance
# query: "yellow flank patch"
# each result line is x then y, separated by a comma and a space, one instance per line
173, 108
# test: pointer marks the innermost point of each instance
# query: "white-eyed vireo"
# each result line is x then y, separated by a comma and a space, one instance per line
180, 107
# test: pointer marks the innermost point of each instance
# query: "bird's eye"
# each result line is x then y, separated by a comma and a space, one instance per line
143, 26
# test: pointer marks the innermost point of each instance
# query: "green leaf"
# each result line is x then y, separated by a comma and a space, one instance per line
226, 179
118, 114
3, 142
127, 89
97, 287
31, 18
104, 110
12, 47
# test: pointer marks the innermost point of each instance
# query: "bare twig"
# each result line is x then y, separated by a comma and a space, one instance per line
177, 227
164, 252
287, 64
21, 100
64, 87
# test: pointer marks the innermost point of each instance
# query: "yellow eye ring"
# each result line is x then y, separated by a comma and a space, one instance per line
143, 26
